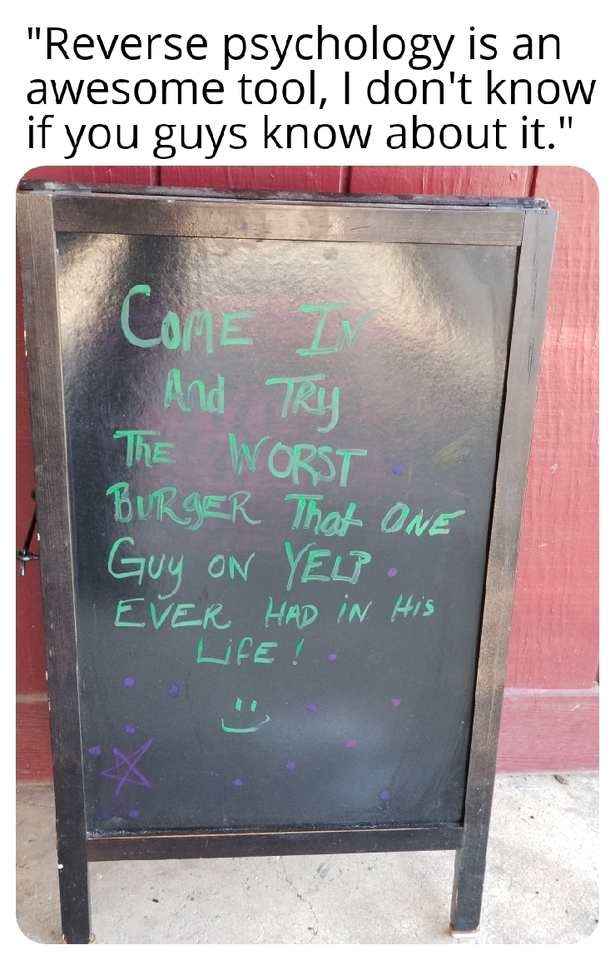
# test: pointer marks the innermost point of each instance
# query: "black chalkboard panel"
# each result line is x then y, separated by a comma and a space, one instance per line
280, 426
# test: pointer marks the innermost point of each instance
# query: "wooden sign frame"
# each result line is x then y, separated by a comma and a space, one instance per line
46, 210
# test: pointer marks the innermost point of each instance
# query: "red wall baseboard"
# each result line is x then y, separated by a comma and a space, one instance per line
33, 740
549, 731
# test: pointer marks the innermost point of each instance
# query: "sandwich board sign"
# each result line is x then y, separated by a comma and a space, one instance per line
281, 446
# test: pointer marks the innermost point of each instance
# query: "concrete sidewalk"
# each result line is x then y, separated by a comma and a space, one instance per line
540, 887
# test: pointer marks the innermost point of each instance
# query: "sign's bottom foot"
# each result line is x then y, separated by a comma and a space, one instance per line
456, 933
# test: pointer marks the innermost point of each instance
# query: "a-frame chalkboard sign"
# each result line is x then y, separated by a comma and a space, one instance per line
281, 446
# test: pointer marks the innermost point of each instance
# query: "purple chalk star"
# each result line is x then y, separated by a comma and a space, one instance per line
130, 775
398, 469
238, 782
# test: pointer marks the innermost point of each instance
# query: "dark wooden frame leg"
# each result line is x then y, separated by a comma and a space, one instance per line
469, 875
72, 857
471, 857
73, 878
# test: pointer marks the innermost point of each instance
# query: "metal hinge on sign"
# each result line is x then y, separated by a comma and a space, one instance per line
25, 554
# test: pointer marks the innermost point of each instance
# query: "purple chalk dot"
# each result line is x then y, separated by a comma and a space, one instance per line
397, 469
129, 681
95, 750
134, 813
174, 690
392, 572
312, 707
395, 702
104, 815
238, 782
131, 729
351, 742
332, 656
291, 765
385, 795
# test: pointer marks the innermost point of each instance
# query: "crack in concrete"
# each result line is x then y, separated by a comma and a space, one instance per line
302, 899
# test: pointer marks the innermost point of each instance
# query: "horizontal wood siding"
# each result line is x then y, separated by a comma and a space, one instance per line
278, 178
554, 637
443, 180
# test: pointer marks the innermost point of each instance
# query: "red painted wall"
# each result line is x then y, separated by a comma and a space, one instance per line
550, 716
